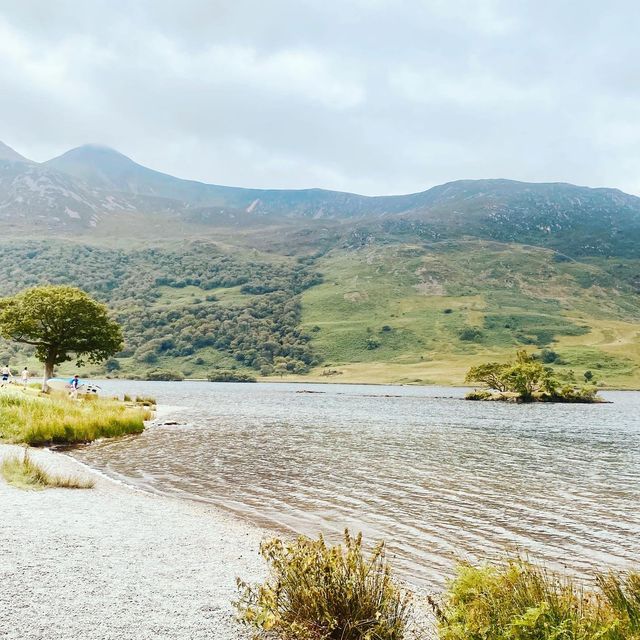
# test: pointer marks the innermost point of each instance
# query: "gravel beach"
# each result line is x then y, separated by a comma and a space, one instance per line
115, 563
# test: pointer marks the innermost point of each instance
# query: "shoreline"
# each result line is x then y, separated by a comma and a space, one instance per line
113, 562
117, 562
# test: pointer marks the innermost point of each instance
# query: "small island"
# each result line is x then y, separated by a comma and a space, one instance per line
527, 379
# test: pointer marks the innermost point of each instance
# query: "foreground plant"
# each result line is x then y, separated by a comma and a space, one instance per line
318, 592
23, 472
523, 601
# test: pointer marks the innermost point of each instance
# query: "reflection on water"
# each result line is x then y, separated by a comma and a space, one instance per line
436, 477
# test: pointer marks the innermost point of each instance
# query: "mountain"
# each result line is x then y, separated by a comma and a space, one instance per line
8, 154
87, 186
406, 288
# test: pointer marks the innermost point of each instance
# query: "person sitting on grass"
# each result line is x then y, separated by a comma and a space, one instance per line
6, 374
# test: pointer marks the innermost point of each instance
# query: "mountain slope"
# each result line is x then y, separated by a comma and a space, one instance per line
104, 183
7, 153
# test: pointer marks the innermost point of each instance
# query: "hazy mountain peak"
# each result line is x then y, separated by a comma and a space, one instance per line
7, 153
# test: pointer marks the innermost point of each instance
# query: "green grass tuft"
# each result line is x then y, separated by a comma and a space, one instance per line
24, 473
523, 601
45, 420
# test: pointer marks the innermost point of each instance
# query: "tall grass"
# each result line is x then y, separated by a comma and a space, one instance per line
24, 473
317, 592
43, 420
523, 601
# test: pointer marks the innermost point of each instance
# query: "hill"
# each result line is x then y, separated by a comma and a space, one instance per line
311, 282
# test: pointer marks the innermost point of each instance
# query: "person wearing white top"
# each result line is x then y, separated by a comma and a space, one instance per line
25, 377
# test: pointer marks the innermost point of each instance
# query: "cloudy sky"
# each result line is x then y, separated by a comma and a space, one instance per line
372, 96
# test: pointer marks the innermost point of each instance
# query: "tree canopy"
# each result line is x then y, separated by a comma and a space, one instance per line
528, 379
61, 322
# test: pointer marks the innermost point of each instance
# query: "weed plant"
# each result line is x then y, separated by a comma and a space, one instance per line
523, 601
23, 472
318, 592
44, 420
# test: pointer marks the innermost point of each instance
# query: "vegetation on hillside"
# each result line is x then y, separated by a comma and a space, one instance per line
527, 379
427, 312
317, 592
56, 419
382, 311
189, 304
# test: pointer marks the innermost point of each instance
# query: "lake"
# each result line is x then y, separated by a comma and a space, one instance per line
438, 478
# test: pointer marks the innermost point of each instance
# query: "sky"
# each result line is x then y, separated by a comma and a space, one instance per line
369, 96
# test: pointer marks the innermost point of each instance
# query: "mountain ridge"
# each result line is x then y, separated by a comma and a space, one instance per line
87, 185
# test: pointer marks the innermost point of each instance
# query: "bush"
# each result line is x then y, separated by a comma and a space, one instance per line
230, 376
162, 375
317, 592
523, 601
470, 334
478, 394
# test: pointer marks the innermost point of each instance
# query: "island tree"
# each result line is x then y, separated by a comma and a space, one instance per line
62, 323
527, 379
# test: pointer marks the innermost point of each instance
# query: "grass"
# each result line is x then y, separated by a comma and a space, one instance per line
24, 473
318, 592
524, 601
412, 304
55, 419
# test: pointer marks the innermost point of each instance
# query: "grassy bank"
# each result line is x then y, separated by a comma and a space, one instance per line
22, 472
41, 420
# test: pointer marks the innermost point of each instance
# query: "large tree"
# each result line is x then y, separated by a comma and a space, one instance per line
62, 323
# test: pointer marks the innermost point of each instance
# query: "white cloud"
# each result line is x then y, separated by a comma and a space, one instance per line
377, 96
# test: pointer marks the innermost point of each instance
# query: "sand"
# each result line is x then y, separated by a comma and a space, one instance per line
116, 563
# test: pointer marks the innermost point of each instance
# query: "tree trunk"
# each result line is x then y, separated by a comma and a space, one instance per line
48, 373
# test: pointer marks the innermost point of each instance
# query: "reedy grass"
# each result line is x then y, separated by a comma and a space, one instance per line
24, 473
520, 600
43, 420
318, 592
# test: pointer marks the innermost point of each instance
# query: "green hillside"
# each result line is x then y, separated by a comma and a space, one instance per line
425, 314
395, 312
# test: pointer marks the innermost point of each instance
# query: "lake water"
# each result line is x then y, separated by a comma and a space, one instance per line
438, 478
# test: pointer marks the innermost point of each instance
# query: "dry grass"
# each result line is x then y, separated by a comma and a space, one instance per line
24, 473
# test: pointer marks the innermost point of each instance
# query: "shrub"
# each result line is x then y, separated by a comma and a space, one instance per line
317, 592
470, 334
162, 375
230, 376
478, 394
523, 601
372, 344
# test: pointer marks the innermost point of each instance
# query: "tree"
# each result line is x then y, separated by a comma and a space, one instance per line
61, 323
490, 374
